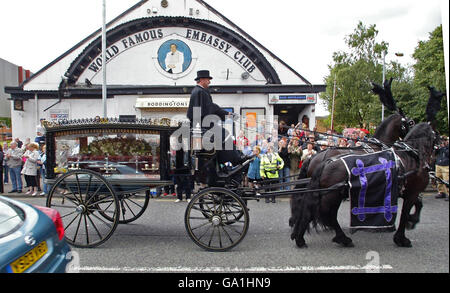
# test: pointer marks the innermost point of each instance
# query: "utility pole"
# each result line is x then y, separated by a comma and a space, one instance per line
332, 105
104, 93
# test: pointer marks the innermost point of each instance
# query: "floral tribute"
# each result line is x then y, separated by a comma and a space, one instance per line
117, 147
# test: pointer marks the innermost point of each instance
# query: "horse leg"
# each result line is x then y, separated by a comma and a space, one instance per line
340, 237
415, 218
399, 237
300, 227
303, 214
292, 219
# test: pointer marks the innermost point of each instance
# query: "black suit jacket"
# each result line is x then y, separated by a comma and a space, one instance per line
201, 97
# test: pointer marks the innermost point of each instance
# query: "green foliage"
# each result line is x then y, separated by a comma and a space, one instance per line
430, 71
5, 121
355, 69
355, 105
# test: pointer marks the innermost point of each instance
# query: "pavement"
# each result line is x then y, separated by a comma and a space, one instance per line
8, 187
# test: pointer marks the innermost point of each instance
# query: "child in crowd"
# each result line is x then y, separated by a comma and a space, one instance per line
253, 173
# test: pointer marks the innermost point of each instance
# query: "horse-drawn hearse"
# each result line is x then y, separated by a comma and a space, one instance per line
101, 172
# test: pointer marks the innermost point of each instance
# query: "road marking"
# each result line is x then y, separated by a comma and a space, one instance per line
287, 269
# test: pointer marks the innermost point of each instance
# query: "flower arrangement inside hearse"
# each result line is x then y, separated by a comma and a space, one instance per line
118, 146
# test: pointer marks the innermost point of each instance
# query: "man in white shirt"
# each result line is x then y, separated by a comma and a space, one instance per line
174, 60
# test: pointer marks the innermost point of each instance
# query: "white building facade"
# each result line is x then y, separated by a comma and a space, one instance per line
154, 50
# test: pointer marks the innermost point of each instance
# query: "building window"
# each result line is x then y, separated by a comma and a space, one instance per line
253, 122
18, 105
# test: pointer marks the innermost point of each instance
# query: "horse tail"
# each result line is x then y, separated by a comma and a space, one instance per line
305, 209
296, 198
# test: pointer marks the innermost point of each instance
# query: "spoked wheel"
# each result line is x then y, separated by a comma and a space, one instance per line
83, 197
132, 206
216, 219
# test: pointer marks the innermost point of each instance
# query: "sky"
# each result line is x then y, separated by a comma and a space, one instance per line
304, 34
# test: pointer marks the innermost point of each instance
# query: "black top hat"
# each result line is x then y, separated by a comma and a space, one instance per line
203, 74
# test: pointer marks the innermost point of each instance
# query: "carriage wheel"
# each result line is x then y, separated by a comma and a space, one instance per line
216, 219
82, 197
132, 206
205, 211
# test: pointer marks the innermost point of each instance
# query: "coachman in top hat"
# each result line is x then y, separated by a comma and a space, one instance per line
201, 98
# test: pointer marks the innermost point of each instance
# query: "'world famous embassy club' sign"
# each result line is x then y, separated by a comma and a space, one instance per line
172, 52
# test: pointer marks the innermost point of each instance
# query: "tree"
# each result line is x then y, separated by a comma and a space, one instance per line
5, 121
355, 105
429, 70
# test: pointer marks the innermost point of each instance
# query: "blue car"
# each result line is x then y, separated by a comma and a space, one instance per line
31, 239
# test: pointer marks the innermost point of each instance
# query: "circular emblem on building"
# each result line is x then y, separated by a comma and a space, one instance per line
174, 56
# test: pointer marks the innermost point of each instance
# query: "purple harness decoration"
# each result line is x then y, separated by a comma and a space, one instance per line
373, 189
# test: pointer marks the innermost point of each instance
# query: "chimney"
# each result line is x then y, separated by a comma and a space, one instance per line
20, 72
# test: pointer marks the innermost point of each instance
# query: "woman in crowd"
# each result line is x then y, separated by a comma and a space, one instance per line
295, 151
308, 152
342, 143
41, 163
29, 169
284, 154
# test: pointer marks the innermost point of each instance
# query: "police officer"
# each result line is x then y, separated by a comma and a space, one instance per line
270, 164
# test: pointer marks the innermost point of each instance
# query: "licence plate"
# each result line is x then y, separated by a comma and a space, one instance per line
28, 259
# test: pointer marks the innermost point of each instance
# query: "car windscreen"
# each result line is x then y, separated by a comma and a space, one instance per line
11, 218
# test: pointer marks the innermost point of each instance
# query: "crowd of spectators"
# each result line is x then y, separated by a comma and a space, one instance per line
23, 166
285, 148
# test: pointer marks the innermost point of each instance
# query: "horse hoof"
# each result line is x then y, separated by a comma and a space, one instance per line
301, 243
291, 222
411, 224
350, 244
343, 241
402, 242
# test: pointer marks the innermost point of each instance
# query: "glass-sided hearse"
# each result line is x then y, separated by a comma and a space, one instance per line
101, 172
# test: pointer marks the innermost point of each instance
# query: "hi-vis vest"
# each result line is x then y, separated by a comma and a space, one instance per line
268, 167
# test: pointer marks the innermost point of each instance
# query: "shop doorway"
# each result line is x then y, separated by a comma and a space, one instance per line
288, 113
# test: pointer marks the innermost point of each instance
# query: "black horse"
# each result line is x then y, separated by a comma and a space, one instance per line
322, 207
393, 128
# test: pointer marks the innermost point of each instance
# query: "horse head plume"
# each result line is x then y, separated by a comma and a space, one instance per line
385, 94
434, 103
